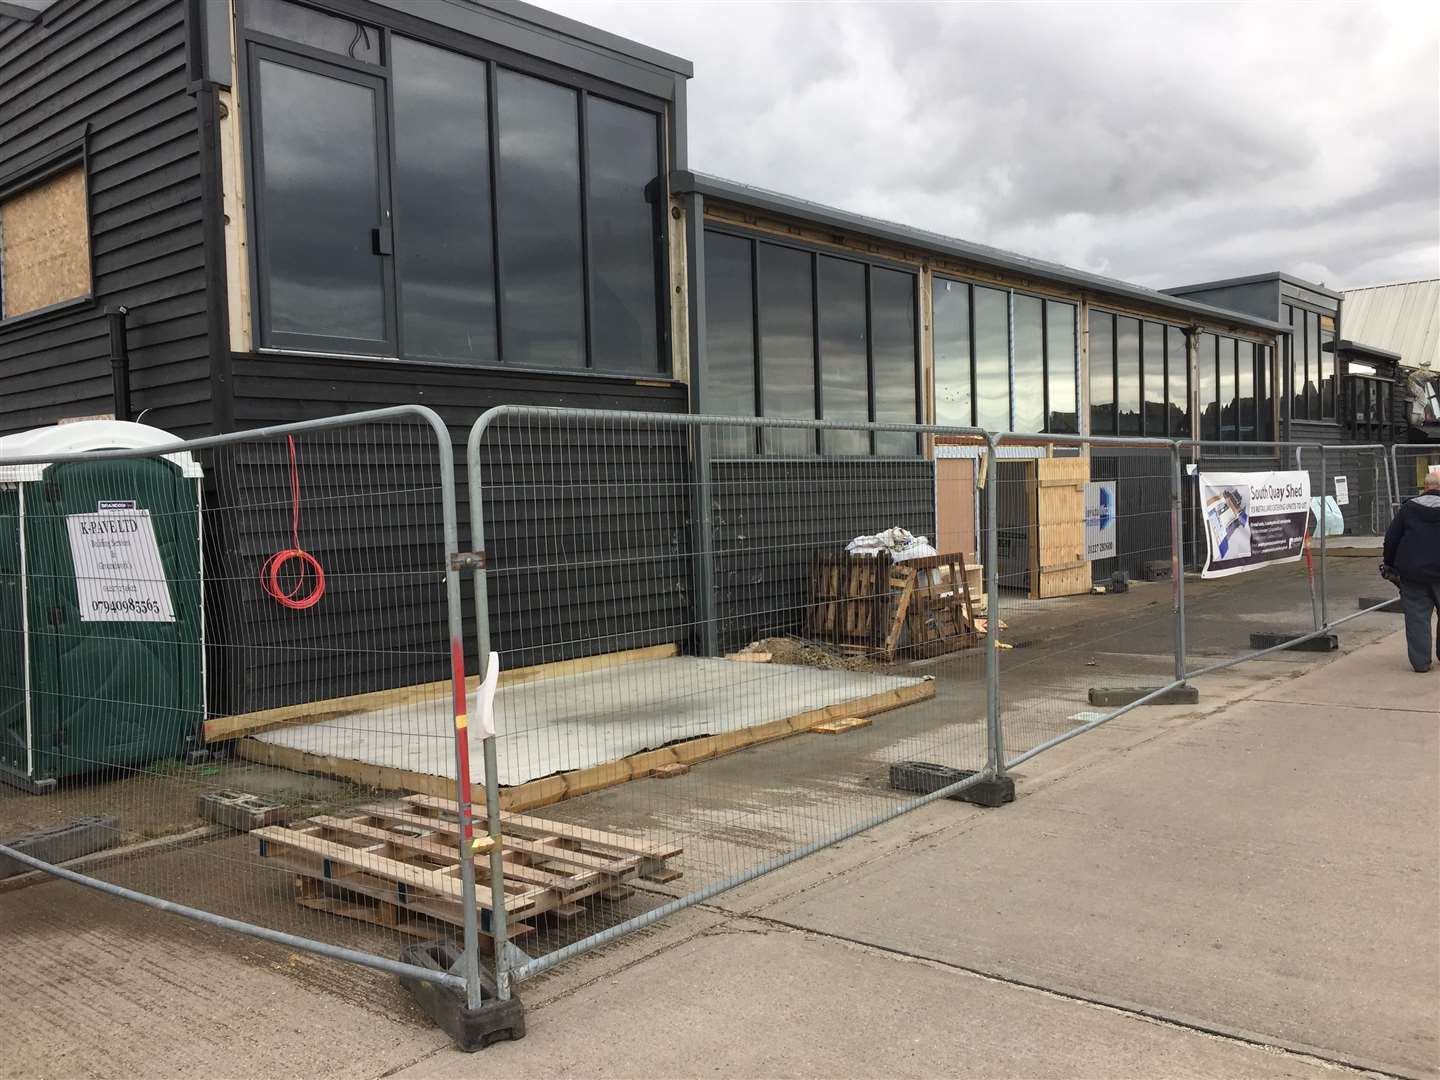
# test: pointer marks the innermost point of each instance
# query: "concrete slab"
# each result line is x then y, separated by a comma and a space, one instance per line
747, 1000
577, 721
1374, 677
1270, 870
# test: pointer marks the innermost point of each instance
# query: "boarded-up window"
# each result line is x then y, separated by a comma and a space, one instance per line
44, 244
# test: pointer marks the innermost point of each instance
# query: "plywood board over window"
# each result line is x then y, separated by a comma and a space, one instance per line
44, 244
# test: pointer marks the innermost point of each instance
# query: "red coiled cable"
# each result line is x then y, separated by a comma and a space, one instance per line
296, 597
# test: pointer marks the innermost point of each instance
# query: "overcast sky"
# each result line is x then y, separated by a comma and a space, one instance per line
1158, 143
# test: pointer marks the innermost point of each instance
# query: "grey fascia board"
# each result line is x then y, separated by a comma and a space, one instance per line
561, 41
683, 182
1252, 279
27, 13
1346, 345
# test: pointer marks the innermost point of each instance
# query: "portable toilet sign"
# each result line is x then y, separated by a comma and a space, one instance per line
101, 602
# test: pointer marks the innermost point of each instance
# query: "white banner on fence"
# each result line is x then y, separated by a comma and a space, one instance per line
1099, 520
118, 573
1252, 519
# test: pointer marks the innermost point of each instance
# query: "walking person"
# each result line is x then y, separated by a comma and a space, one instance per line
1412, 559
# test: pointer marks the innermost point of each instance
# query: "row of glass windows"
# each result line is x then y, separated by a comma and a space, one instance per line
1139, 377
380, 180
1236, 385
1312, 367
802, 335
980, 383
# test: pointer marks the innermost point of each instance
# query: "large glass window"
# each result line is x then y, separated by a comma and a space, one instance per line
321, 207
1177, 377
1127, 374
1312, 365
844, 352
1327, 369
856, 320
1102, 373
787, 345
1265, 393
1152, 364
950, 318
1295, 357
1245, 390
1029, 370
559, 266
1060, 367
542, 290
1206, 371
892, 320
729, 388
1226, 347
624, 159
992, 358
444, 255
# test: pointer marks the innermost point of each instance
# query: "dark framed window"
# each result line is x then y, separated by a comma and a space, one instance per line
794, 332
1127, 375
1102, 373
1327, 368
1177, 377
982, 378
1245, 391
516, 217
1312, 365
1225, 392
1207, 379
322, 198
1152, 366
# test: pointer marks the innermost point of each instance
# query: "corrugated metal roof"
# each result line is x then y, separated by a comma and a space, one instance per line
1403, 318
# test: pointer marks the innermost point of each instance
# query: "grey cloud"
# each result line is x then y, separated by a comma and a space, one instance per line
1160, 143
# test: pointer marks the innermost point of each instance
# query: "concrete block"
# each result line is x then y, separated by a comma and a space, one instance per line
1322, 643
61, 843
239, 810
1124, 695
923, 777
471, 1029
1392, 604
1155, 570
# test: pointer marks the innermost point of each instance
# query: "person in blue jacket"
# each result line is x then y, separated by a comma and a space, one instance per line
1412, 560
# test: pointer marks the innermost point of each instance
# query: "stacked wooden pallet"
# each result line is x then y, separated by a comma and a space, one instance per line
397, 865
865, 603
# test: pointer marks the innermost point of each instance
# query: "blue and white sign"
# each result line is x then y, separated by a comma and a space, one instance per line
1099, 520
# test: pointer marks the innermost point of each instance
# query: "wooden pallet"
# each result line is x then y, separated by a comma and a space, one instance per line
866, 603
397, 865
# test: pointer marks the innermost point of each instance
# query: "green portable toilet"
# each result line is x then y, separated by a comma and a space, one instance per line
101, 603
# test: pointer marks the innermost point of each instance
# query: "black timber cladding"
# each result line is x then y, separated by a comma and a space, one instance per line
113, 73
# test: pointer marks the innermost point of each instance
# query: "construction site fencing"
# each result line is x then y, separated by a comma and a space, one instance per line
198, 641
694, 649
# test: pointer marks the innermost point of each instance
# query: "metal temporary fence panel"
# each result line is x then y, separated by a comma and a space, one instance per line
698, 680
225, 663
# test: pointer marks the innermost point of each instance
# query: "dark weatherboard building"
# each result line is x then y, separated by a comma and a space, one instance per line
220, 214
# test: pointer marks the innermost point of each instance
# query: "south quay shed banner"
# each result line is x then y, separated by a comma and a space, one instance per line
1252, 519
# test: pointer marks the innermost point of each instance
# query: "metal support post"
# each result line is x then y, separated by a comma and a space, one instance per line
1177, 558
1324, 531
702, 514
994, 736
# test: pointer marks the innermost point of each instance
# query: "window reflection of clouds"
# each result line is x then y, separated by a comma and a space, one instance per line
992, 359
1205, 378
1127, 374
542, 286
1245, 390
1152, 363
320, 197
787, 345
892, 319
729, 338
1029, 371
443, 244
845, 392
950, 318
1101, 355
623, 160
1061, 365
1179, 389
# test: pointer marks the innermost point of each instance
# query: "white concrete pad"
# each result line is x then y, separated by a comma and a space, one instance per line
576, 721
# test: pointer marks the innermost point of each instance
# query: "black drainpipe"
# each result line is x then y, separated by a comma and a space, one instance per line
119, 362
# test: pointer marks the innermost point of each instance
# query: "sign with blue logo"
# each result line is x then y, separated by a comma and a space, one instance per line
1099, 520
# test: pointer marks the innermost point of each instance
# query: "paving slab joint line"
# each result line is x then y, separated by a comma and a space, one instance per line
1146, 1015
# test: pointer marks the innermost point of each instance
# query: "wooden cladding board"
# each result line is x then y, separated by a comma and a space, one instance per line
1060, 527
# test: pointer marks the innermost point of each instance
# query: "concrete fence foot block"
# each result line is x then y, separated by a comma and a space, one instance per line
923, 777
471, 1029
1322, 643
1124, 695
61, 843
1392, 604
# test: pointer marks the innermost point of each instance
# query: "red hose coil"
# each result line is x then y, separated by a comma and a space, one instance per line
296, 597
